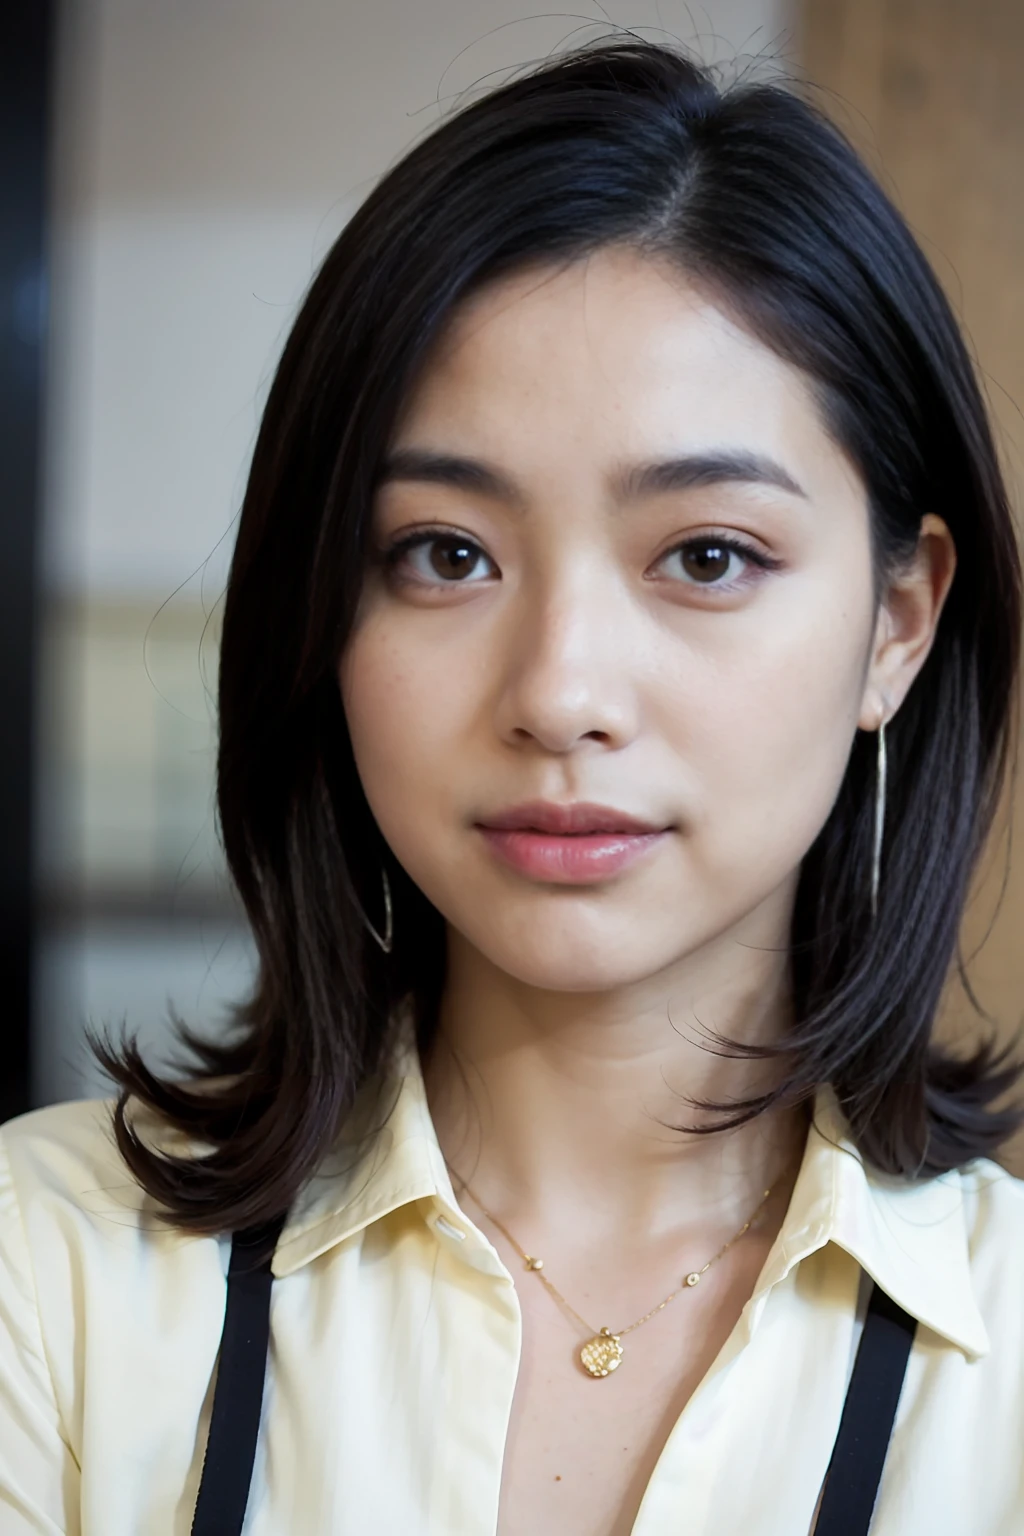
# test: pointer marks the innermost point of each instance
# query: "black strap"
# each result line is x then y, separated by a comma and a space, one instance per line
855, 1469
238, 1395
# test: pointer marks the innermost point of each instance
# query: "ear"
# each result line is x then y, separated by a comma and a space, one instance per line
907, 620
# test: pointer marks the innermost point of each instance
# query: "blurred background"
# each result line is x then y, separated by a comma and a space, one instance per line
171, 175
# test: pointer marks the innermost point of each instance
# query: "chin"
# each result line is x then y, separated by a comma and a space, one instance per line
583, 965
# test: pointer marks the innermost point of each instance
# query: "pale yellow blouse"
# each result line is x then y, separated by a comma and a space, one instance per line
396, 1337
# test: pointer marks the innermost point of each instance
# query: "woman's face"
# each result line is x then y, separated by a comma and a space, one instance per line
641, 576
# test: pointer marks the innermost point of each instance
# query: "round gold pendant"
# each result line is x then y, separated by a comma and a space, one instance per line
601, 1354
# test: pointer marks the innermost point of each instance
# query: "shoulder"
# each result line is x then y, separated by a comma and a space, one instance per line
71, 1211
64, 1191
99, 1297
88, 1269
993, 1204
66, 1155
65, 1152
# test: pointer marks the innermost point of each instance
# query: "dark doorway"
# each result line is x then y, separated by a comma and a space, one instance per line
25, 75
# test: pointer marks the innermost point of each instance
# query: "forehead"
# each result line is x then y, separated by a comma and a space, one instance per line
614, 352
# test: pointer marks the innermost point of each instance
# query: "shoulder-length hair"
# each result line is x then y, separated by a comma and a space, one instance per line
756, 195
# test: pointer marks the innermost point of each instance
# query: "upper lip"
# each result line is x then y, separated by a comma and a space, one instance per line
576, 817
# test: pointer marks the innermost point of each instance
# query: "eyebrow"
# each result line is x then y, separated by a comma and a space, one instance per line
630, 483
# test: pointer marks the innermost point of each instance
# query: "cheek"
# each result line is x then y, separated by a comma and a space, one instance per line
406, 714
777, 732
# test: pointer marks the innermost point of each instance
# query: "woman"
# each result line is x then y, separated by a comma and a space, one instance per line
617, 684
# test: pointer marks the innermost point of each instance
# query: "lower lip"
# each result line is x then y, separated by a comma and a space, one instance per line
579, 860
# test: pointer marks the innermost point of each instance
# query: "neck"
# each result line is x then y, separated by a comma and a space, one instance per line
548, 1102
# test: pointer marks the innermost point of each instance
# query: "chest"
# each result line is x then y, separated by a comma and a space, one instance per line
581, 1451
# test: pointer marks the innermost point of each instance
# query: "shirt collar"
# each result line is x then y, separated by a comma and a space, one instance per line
911, 1237
388, 1157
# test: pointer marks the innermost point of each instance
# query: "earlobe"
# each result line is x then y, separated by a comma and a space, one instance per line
877, 710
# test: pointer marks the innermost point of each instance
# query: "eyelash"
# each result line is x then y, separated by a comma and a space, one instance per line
756, 557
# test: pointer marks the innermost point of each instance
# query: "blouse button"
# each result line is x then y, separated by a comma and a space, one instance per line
450, 1230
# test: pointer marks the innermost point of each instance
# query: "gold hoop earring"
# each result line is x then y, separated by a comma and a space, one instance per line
386, 941
876, 853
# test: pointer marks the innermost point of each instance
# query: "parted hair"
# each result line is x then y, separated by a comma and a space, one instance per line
754, 193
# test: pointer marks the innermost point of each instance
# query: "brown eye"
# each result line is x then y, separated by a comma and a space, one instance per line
718, 563
437, 559
706, 562
453, 559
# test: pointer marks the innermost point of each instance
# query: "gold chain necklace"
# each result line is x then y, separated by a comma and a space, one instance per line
602, 1352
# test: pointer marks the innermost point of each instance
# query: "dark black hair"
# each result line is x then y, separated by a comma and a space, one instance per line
754, 193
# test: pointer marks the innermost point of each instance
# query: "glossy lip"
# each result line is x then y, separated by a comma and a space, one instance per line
578, 844
574, 819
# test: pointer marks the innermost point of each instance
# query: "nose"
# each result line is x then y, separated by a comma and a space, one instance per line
572, 666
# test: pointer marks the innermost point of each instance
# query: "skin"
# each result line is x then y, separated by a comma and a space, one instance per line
574, 654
